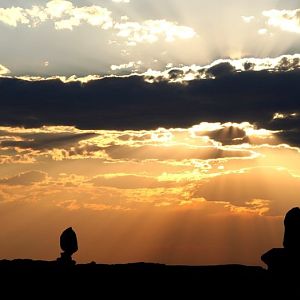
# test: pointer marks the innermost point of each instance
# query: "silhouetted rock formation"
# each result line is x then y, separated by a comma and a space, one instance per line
291, 239
286, 260
68, 243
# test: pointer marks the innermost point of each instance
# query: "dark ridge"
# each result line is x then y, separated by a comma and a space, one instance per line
64, 279
28, 277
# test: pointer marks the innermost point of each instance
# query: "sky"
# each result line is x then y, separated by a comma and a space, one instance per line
161, 131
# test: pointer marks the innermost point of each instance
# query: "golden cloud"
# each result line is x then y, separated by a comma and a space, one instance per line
162, 168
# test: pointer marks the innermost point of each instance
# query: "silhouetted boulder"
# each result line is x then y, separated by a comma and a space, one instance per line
286, 260
291, 239
68, 243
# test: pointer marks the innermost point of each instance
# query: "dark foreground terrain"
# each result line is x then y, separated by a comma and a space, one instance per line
50, 280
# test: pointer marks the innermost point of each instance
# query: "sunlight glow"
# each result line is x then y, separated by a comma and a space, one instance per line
153, 180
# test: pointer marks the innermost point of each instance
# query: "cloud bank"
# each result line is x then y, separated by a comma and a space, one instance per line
249, 90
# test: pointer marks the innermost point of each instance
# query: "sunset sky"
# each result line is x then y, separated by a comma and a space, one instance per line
160, 130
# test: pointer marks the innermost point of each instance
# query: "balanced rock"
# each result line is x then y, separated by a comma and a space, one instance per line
68, 243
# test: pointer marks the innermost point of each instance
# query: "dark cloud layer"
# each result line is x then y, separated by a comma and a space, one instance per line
133, 103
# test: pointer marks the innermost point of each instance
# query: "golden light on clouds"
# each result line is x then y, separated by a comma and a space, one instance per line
172, 188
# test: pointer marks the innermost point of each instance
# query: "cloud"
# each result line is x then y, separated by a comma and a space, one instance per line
228, 135
26, 178
171, 152
93, 15
150, 31
66, 16
134, 66
4, 70
223, 67
163, 99
205, 141
63, 13
185, 74
162, 167
13, 15
130, 181
235, 134
45, 141
277, 190
286, 20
